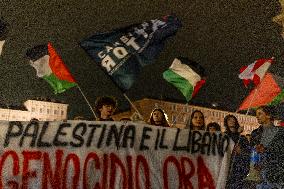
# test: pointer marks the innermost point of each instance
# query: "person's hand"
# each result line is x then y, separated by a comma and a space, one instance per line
259, 148
237, 149
240, 129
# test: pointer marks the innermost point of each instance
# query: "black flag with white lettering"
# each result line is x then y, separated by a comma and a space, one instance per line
123, 52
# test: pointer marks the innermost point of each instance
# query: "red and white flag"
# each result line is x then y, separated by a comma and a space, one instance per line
255, 71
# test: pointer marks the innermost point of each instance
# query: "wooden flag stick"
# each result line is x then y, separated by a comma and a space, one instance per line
134, 107
250, 103
87, 101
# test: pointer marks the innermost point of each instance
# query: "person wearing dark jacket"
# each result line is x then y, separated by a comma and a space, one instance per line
268, 141
239, 165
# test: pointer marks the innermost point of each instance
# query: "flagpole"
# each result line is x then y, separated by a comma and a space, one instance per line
251, 101
87, 101
133, 105
253, 97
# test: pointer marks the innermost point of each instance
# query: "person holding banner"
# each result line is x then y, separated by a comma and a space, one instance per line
268, 140
239, 166
158, 118
196, 121
105, 107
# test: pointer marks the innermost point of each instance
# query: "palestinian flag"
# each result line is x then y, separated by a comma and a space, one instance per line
50, 67
185, 75
268, 92
3, 33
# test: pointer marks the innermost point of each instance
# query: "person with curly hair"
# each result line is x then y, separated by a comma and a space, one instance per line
105, 107
213, 127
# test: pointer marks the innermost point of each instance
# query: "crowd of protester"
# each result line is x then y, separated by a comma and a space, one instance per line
257, 159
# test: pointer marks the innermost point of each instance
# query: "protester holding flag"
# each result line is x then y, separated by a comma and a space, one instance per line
105, 107
268, 141
158, 118
196, 121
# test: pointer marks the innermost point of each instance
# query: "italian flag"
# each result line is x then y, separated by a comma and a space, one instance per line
268, 92
50, 67
186, 76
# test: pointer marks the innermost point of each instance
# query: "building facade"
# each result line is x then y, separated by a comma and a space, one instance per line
178, 114
36, 109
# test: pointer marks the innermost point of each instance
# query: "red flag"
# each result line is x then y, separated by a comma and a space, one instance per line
268, 92
255, 71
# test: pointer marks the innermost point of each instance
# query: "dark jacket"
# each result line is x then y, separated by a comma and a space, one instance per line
239, 166
272, 163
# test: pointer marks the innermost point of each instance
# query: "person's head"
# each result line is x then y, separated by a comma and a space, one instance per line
248, 136
158, 117
197, 120
264, 115
231, 124
105, 106
213, 127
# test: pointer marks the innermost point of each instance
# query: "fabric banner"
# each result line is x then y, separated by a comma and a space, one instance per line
89, 154
123, 52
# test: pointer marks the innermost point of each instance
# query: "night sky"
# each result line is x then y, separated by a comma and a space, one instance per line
221, 35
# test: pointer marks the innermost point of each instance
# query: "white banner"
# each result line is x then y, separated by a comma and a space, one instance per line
89, 154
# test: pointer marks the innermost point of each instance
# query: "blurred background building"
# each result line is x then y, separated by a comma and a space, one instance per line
181, 113
41, 109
